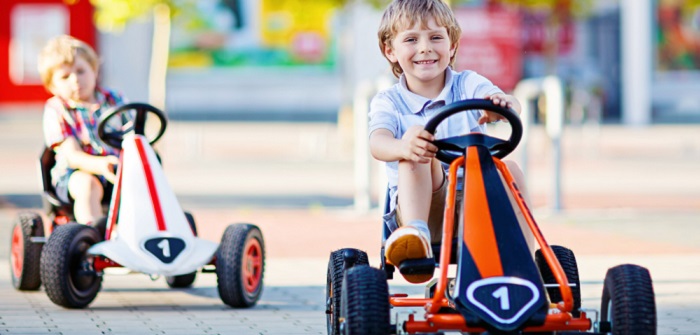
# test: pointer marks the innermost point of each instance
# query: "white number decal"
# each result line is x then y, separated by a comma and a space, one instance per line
166, 248
502, 295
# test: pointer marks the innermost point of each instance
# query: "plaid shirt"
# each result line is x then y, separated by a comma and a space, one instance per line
63, 119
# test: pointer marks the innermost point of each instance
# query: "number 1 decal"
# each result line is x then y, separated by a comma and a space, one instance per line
165, 246
502, 295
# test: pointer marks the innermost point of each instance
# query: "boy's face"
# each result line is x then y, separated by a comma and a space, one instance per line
422, 53
75, 81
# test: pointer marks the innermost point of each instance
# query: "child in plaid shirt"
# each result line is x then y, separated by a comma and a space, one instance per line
85, 166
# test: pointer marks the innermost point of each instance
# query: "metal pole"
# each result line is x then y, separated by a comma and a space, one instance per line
362, 198
525, 91
554, 91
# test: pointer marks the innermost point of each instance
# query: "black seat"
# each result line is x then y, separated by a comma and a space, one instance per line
53, 206
51, 203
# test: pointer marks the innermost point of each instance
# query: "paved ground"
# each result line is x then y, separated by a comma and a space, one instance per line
630, 195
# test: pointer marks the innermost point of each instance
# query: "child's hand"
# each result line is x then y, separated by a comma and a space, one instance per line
417, 146
499, 99
107, 168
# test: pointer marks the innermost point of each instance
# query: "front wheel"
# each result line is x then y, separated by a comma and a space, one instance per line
24, 254
365, 302
334, 284
240, 265
66, 269
628, 305
186, 280
567, 260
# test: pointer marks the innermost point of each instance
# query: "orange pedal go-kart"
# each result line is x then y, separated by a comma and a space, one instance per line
499, 286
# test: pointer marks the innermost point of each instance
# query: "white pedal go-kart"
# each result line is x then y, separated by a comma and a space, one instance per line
145, 229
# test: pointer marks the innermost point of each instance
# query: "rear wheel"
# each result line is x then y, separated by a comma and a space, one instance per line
365, 302
66, 268
334, 285
25, 255
568, 263
186, 280
628, 304
240, 265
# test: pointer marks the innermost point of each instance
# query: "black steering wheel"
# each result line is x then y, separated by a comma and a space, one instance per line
451, 148
133, 118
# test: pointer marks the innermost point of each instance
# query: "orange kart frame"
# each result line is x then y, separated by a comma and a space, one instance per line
480, 247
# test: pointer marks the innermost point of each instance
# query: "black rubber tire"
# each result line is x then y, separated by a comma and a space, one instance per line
240, 265
334, 286
101, 226
568, 263
186, 280
628, 301
364, 306
181, 281
25, 255
66, 275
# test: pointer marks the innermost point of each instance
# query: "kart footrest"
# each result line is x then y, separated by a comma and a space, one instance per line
417, 266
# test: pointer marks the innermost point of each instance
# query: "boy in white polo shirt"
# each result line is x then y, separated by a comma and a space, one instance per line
419, 38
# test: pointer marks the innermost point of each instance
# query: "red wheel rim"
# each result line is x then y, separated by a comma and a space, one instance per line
16, 255
252, 265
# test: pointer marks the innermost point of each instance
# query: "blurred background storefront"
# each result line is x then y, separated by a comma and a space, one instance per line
624, 61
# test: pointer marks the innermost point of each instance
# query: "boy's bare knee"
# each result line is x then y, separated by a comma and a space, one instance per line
410, 166
84, 185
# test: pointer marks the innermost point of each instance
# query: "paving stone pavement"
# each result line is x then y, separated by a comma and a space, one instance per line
293, 298
630, 196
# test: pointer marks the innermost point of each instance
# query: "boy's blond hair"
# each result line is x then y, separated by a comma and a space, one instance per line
63, 50
404, 14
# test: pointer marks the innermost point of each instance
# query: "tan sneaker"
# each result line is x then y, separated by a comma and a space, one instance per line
408, 242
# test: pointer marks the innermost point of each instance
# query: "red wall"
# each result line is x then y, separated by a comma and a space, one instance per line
81, 26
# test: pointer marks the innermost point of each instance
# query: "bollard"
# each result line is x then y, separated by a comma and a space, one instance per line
553, 90
363, 161
360, 109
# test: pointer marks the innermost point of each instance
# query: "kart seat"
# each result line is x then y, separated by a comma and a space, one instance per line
52, 205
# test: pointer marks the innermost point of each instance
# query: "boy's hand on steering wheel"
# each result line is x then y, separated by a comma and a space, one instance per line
502, 100
108, 168
417, 145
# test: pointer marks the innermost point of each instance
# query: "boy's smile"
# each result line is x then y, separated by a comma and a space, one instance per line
423, 52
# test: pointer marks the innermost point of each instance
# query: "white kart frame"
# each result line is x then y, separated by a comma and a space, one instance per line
148, 232
153, 235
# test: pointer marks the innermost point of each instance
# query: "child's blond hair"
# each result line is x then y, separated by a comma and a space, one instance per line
63, 50
404, 14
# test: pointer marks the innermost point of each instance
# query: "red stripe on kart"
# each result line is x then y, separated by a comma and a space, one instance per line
114, 210
157, 210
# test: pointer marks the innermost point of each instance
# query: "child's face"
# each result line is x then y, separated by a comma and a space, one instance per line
75, 81
422, 53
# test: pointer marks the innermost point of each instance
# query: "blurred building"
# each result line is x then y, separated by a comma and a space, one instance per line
625, 61
25, 26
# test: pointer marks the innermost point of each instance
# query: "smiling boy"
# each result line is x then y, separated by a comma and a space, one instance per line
420, 38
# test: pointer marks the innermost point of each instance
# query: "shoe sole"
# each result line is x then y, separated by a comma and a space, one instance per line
406, 245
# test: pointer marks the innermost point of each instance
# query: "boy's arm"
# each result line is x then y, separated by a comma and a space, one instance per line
415, 145
78, 159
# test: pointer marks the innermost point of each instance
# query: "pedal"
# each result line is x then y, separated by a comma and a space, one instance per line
208, 268
417, 266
